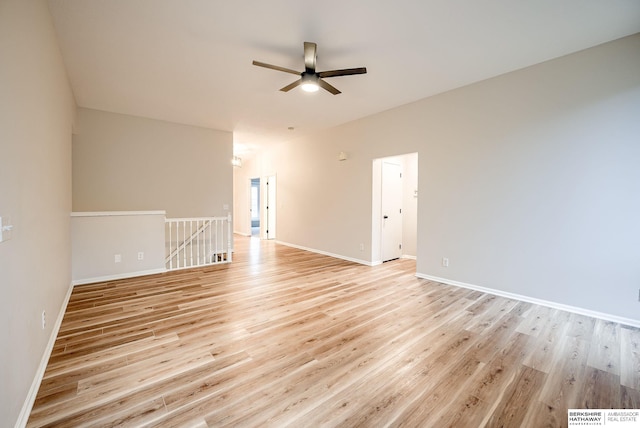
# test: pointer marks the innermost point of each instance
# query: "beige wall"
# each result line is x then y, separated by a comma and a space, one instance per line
97, 237
36, 115
528, 182
241, 195
409, 205
128, 163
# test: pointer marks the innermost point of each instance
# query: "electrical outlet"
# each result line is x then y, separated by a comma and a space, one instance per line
361, 247
117, 258
140, 255
44, 319
445, 262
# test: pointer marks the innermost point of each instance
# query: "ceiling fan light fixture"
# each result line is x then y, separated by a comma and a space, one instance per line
310, 87
310, 79
310, 83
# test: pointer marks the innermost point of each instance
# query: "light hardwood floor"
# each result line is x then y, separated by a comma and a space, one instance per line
283, 337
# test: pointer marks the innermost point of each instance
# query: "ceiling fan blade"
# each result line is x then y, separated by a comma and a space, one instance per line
345, 72
275, 67
328, 87
292, 85
310, 56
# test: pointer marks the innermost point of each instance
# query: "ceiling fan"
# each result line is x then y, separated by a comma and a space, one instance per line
310, 79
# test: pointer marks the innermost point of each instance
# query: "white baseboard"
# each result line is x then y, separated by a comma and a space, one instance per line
37, 379
547, 303
325, 253
118, 276
235, 232
407, 256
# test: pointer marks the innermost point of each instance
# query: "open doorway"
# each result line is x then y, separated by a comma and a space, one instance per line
394, 208
254, 206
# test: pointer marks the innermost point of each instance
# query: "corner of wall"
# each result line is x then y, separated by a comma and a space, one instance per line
23, 417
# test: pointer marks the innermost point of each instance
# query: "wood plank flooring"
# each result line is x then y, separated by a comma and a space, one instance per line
283, 337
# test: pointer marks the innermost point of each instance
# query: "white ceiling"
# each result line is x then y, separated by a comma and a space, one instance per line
189, 61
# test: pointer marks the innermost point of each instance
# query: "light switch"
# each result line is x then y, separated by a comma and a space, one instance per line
5, 229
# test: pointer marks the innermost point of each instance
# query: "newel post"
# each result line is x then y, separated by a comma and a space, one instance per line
229, 238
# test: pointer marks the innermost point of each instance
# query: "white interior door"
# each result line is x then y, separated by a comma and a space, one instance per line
270, 207
391, 201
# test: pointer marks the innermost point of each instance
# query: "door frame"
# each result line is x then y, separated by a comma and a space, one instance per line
268, 201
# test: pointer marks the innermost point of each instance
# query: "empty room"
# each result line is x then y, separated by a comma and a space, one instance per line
417, 214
